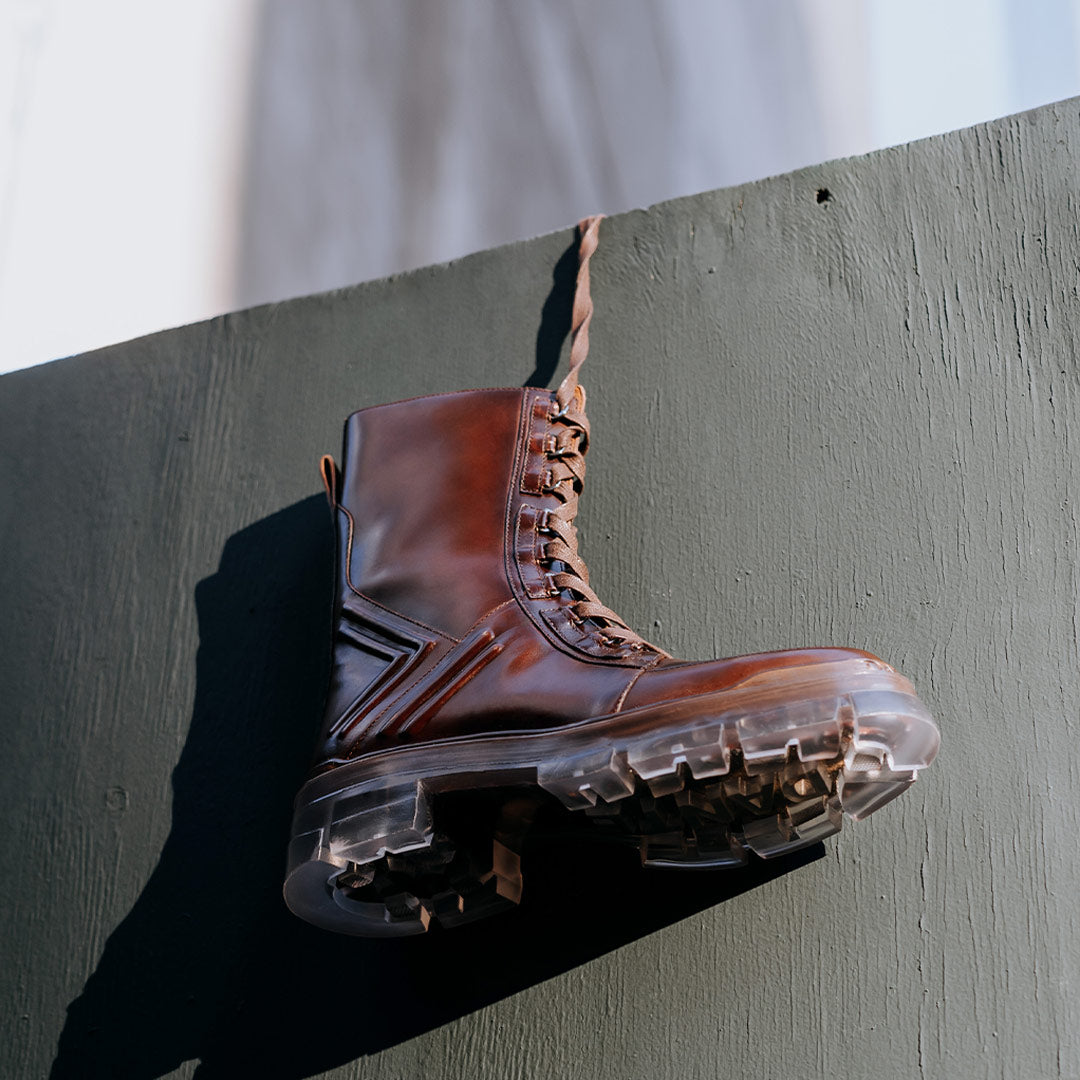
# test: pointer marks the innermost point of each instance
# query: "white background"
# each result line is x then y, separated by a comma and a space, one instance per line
164, 162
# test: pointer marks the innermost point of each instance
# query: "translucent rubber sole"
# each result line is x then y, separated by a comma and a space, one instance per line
766, 767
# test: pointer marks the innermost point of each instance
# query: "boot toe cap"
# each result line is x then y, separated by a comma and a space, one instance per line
675, 680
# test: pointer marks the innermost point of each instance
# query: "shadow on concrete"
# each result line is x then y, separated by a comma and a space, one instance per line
210, 966
555, 317
176, 965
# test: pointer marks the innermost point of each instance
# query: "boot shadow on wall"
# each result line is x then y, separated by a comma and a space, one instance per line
210, 966
554, 325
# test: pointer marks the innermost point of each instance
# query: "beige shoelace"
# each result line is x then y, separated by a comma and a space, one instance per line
565, 476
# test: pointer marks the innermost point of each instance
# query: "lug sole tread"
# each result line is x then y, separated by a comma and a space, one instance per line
376, 862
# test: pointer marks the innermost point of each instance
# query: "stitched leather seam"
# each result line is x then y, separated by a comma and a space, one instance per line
488, 615
419, 714
387, 715
621, 699
370, 600
356, 721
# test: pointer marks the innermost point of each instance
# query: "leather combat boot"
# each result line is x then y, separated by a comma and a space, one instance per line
472, 658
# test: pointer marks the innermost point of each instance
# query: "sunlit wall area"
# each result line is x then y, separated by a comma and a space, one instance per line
161, 163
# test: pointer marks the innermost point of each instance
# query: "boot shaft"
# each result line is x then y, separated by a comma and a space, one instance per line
423, 504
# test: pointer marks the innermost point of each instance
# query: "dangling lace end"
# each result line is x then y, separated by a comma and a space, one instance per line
588, 238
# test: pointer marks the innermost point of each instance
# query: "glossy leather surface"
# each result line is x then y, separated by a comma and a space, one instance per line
677, 678
426, 484
448, 621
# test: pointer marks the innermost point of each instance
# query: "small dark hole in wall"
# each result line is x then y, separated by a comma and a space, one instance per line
823, 195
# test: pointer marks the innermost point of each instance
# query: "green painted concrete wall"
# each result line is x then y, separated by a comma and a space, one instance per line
837, 407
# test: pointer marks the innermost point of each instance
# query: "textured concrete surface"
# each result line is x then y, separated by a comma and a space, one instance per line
839, 406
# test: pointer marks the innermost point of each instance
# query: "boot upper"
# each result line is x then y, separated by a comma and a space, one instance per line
462, 605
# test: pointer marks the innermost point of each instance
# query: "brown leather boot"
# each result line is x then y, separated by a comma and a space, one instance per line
471, 656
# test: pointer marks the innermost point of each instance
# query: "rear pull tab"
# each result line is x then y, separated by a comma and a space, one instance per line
331, 479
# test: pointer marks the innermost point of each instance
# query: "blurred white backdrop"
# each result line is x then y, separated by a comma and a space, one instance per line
161, 163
